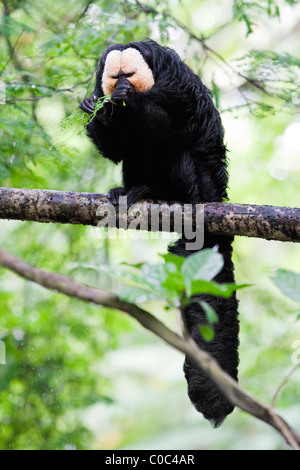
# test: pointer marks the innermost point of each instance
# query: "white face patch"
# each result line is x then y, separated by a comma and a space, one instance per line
130, 61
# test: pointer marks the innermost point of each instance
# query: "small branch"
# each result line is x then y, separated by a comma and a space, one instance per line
54, 90
231, 389
268, 222
283, 382
32, 98
84, 11
213, 54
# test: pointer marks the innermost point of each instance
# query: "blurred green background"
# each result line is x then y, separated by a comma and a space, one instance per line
80, 377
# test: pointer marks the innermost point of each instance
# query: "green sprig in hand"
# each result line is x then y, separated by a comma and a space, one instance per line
82, 118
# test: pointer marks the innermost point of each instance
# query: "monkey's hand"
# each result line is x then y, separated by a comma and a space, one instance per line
122, 92
88, 104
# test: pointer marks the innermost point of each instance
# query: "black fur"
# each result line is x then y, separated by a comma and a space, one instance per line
170, 141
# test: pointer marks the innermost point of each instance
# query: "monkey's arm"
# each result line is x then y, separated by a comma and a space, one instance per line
152, 110
99, 129
183, 177
105, 140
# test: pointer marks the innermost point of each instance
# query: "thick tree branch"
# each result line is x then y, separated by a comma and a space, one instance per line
268, 222
202, 359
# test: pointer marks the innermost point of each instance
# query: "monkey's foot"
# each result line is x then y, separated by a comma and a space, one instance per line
139, 193
114, 195
134, 194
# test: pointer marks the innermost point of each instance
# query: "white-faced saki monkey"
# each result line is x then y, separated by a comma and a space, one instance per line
162, 125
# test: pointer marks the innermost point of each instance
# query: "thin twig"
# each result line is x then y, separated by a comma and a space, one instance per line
257, 83
282, 384
55, 91
84, 11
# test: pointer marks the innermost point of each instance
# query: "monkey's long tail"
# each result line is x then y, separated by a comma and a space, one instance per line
202, 391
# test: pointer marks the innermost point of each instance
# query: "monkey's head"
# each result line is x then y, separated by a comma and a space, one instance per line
126, 67
136, 67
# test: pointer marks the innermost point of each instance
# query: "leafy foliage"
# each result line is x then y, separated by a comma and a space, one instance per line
82, 119
49, 53
175, 282
248, 11
278, 75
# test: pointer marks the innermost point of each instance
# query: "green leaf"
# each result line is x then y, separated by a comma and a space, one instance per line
131, 277
204, 264
154, 274
174, 282
207, 332
132, 265
136, 295
210, 313
288, 282
213, 288
175, 259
